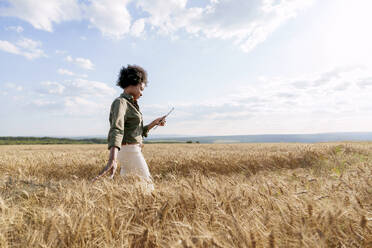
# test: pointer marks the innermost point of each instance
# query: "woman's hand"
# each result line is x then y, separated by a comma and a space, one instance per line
110, 169
111, 165
159, 121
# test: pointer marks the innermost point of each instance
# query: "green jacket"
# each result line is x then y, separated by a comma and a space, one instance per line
126, 122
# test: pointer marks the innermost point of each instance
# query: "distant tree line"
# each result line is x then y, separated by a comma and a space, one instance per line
190, 142
10, 140
48, 140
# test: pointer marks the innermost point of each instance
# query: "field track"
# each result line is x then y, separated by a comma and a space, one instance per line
220, 195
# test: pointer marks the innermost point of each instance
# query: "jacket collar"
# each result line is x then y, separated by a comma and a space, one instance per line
131, 100
127, 96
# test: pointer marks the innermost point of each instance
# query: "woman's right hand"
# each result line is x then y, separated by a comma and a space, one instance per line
110, 168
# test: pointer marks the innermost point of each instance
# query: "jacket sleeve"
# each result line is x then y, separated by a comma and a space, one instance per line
145, 130
117, 119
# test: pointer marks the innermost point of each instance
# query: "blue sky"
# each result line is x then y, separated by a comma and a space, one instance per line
227, 66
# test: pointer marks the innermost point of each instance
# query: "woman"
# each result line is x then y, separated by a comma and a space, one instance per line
127, 129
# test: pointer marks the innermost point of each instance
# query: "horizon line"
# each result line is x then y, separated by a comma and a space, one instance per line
191, 136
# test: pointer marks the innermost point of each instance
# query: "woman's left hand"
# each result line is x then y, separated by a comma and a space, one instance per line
159, 121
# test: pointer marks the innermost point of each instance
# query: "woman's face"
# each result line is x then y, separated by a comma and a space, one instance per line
137, 91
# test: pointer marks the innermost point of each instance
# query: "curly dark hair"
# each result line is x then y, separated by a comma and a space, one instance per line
131, 75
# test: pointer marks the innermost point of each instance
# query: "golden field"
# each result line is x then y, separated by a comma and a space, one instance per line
220, 195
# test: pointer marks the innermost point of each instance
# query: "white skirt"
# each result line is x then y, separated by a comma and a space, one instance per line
133, 163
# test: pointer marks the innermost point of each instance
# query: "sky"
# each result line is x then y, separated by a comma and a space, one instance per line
228, 67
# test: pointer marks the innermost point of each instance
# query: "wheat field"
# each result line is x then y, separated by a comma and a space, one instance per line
219, 195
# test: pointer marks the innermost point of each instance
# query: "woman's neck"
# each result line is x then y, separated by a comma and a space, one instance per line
128, 92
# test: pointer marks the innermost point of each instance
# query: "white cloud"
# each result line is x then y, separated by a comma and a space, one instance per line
81, 62
335, 91
280, 105
138, 27
270, 105
26, 47
42, 14
31, 49
70, 73
3, 93
17, 29
53, 87
91, 89
365, 82
65, 72
43, 103
71, 97
6, 46
69, 59
86, 97
163, 14
76, 87
246, 23
14, 86
111, 17
61, 52
84, 63
77, 105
